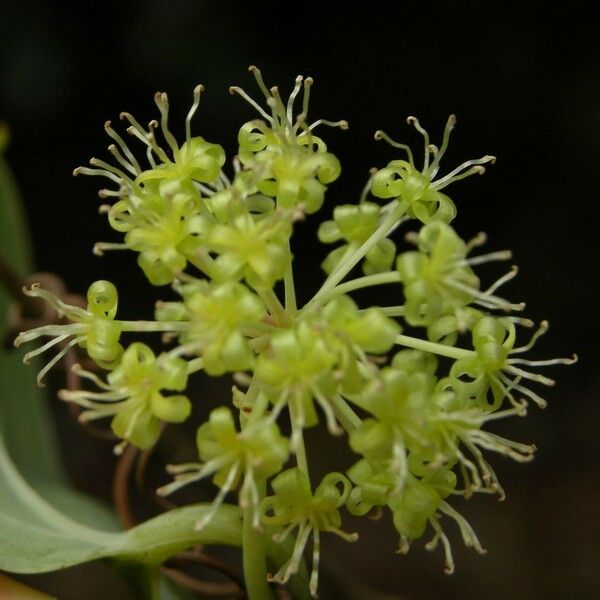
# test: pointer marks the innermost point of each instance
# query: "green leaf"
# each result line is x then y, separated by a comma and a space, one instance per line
25, 422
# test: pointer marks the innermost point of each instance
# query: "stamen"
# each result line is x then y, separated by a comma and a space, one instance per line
282, 535
204, 189
296, 440
115, 152
305, 99
485, 258
188, 472
292, 98
399, 464
415, 123
454, 174
381, 135
97, 173
438, 156
188, 120
162, 102
146, 137
485, 440
544, 363
120, 448
49, 330
521, 321
76, 395
506, 390
96, 162
440, 535
237, 90
150, 158
403, 546
43, 372
500, 282
259, 80
479, 240
121, 142
278, 108
332, 425
537, 399
152, 127
468, 535
108, 194
96, 413
314, 574
488, 301
27, 358
224, 179
75, 313
487, 472
100, 247
531, 376
231, 478
343, 124
81, 372
534, 338
522, 448
468, 464
347, 537
301, 541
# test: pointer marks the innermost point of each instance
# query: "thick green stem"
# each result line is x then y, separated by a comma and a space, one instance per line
360, 283
343, 411
274, 306
290, 291
255, 559
347, 265
393, 311
153, 326
298, 440
196, 364
432, 347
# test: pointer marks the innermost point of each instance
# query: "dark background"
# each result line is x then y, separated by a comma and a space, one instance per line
524, 80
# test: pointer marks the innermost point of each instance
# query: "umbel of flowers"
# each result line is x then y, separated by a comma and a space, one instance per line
413, 408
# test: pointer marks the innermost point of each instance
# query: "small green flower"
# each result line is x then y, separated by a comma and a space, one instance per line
438, 278
132, 395
296, 364
93, 329
495, 371
403, 404
373, 487
160, 209
295, 506
418, 506
419, 190
292, 164
420, 503
253, 454
355, 224
217, 314
254, 249
163, 223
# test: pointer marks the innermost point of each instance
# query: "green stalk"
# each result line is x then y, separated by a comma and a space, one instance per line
360, 283
290, 291
274, 305
425, 346
153, 326
254, 556
346, 266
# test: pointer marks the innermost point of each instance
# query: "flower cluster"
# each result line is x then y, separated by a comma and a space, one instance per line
413, 408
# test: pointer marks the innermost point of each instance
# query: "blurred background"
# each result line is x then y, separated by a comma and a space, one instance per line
524, 80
